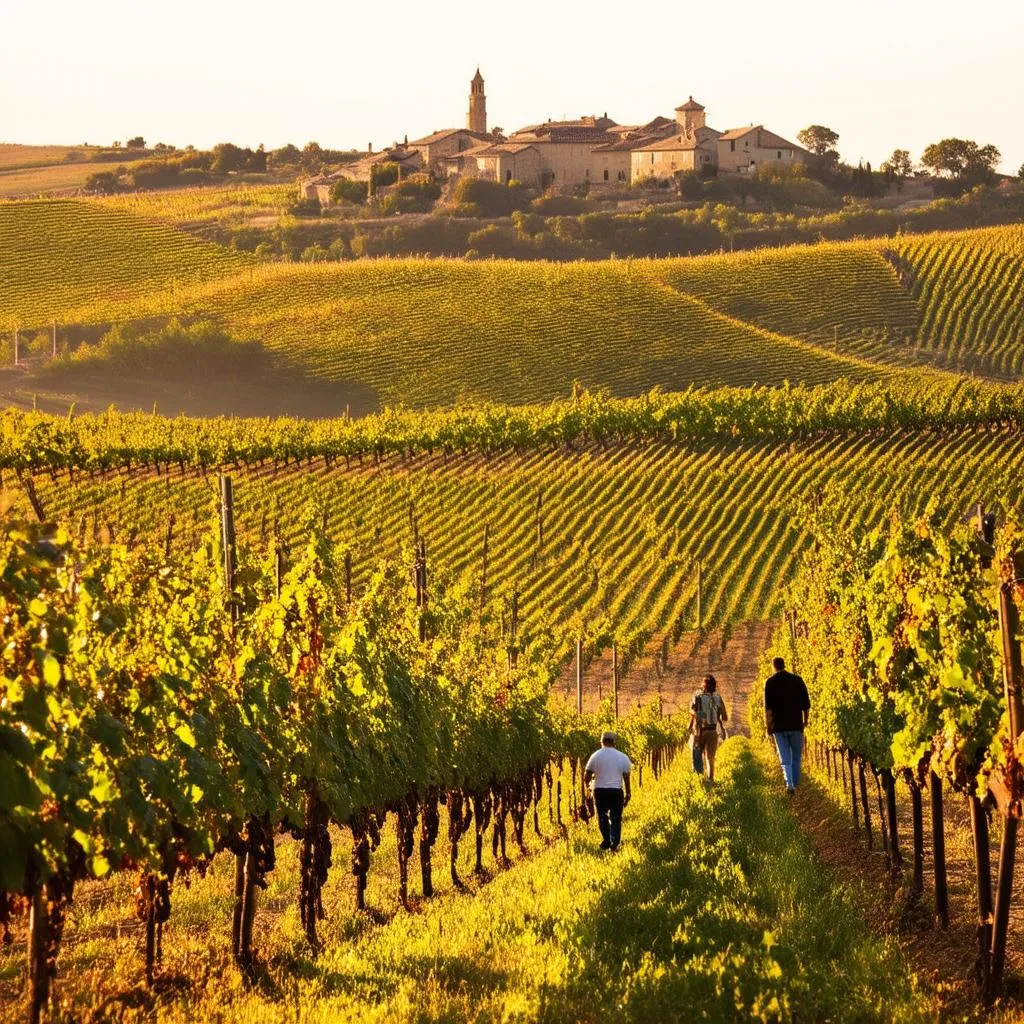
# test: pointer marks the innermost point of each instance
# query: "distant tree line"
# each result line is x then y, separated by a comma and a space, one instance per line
955, 165
470, 224
174, 168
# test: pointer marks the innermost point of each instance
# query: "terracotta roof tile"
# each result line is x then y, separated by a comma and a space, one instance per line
445, 133
767, 139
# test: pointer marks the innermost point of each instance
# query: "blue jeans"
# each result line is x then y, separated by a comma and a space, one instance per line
790, 746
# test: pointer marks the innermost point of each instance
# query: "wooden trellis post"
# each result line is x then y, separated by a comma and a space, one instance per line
579, 675
1013, 679
615, 679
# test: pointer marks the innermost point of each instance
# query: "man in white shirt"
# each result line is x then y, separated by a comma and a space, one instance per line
607, 772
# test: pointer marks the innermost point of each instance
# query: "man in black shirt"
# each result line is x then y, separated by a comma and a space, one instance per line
787, 708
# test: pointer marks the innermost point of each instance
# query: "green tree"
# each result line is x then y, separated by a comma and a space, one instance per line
689, 184
962, 159
898, 167
727, 219
1020, 172
138, 142
286, 156
105, 182
312, 156
820, 140
491, 197
346, 190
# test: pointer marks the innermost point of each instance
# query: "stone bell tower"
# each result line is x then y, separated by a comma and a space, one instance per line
476, 119
690, 116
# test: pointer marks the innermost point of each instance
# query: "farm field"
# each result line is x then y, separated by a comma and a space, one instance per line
663, 527
621, 526
558, 936
426, 332
15, 157
56, 177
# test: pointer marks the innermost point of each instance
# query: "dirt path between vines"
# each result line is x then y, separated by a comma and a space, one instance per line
943, 959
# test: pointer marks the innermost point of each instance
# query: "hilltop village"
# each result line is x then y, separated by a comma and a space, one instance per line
591, 150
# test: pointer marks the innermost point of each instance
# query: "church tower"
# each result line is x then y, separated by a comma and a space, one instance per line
690, 116
476, 119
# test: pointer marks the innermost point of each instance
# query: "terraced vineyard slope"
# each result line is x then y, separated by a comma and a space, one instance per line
603, 538
59, 256
437, 331
969, 289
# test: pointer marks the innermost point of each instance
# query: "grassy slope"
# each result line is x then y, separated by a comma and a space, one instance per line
59, 255
970, 292
622, 527
437, 331
818, 293
19, 182
715, 909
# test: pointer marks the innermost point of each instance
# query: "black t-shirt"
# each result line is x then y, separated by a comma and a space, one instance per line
785, 696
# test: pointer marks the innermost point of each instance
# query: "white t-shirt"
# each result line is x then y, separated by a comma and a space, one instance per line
608, 766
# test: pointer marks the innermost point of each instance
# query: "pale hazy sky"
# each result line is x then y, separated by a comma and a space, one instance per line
883, 73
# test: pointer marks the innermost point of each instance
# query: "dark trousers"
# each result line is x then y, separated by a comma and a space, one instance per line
609, 814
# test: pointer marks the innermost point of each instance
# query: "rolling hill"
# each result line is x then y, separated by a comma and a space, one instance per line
436, 331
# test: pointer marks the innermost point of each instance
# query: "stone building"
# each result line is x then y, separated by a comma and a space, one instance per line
499, 161
476, 118
743, 150
439, 147
590, 150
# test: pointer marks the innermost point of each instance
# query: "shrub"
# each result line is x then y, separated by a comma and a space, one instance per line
346, 190
493, 241
491, 197
175, 350
414, 195
559, 206
105, 182
315, 253
383, 174
305, 208
690, 184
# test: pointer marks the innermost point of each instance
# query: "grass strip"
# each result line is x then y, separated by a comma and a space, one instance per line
715, 909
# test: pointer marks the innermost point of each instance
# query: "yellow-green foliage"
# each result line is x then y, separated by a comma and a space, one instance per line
59, 255
969, 287
814, 292
622, 527
193, 207
715, 901
435, 331
431, 332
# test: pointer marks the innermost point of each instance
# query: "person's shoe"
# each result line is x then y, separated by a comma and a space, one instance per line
791, 791
605, 845
615, 848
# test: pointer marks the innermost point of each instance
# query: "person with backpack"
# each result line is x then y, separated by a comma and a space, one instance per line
787, 709
707, 716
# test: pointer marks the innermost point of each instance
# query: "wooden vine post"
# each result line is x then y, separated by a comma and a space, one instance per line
939, 851
483, 568
245, 886
917, 819
980, 835
615, 679
854, 808
1009, 806
513, 649
579, 675
420, 577
700, 594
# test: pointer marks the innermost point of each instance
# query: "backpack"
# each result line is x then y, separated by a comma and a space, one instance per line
705, 705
